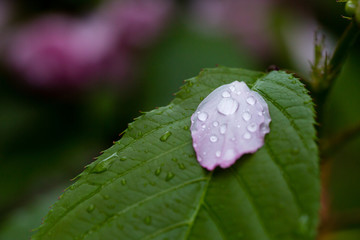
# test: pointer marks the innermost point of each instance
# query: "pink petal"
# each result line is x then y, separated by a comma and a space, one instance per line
230, 122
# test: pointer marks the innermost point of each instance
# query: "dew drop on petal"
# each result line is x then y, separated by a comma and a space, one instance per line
247, 136
251, 100
202, 116
215, 123
228, 106
232, 88
218, 153
223, 129
225, 94
246, 116
252, 127
213, 139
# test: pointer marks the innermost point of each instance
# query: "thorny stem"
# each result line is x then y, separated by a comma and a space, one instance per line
325, 72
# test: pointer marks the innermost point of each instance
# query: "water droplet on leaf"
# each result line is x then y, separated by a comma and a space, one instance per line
104, 164
123, 182
158, 171
181, 166
147, 220
90, 208
169, 176
165, 136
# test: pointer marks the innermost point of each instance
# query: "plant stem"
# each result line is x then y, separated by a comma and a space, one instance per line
322, 86
341, 52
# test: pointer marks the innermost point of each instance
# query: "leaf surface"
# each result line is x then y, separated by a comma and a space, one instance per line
150, 186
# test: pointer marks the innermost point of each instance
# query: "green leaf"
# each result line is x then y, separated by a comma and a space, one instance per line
150, 186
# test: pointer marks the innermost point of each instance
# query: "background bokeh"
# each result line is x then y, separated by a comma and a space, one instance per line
73, 74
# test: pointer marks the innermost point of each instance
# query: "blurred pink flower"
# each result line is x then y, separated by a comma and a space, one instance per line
138, 22
245, 20
58, 51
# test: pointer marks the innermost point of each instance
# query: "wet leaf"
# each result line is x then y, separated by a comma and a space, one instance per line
160, 192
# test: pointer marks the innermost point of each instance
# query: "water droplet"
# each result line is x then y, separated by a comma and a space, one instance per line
229, 154
247, 135
165, 136
181, 166
252, 127
264, 128
225, 94
158, 171
227, 106
104, 164
123, 182
238, 126
251, 100
124, 158
218, 153
232, 88
90, 208
186, 127
260, 113
215, 124
246, 116
169, 176
147, 220
202, 116
213, 139
203, 126
223, 128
